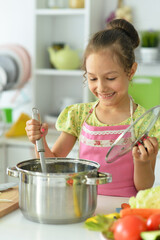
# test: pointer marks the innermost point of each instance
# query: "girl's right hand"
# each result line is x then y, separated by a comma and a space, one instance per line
35, 130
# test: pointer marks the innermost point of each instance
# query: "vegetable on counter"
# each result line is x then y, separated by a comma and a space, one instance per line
153, 222
129, 228
125, 205
150, 235
143, 212
148, 198
140, 219
102, 223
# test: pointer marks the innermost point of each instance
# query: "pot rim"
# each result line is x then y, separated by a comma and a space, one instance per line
58, 159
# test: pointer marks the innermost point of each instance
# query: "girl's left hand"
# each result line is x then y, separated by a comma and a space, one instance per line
147, 152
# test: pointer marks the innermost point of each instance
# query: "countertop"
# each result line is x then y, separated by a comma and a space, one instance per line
23, 140
16, 227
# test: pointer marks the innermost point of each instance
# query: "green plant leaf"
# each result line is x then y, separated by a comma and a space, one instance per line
150, 38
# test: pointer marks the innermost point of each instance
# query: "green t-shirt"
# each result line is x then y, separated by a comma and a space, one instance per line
72, 117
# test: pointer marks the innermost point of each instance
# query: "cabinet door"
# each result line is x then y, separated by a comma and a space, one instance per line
16, 154
145, 90
2, 164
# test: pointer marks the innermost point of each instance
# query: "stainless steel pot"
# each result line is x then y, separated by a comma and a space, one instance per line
67, 193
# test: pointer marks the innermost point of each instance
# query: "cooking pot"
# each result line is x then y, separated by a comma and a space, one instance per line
67, 193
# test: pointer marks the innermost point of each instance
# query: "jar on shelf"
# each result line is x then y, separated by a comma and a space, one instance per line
52, 4
57, 3
76, 3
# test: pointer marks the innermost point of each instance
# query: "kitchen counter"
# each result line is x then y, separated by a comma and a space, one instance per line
15, 226
23, 140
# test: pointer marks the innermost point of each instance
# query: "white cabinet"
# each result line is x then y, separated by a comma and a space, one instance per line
72, 27
2, 163
15, 154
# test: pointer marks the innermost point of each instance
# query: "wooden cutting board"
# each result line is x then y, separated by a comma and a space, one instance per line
7, 207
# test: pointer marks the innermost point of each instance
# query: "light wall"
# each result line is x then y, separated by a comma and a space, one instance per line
16, 22
17, 18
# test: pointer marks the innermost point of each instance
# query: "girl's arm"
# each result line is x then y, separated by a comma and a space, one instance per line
62, 146
144, 163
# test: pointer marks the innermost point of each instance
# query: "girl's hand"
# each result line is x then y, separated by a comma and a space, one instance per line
35, 130
147, 152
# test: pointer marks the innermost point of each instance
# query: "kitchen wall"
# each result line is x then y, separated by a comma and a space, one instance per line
17, 21
16, 27
145, 12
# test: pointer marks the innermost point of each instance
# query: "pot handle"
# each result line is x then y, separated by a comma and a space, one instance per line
102, 178
12, 172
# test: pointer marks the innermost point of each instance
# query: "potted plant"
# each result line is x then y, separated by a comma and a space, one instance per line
149, 46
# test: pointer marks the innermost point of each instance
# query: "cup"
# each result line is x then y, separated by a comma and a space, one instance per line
7, 115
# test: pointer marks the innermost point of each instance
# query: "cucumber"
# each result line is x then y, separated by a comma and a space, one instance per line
151, 235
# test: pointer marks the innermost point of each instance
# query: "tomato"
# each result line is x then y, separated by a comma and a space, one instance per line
153, 222
129, 228
125, 205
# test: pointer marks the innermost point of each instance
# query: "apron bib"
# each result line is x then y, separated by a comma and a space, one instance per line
94, 144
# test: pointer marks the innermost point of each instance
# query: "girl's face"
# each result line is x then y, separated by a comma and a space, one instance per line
107, 80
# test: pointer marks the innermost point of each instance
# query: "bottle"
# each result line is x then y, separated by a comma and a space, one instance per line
52, 4
61, 3
76, 3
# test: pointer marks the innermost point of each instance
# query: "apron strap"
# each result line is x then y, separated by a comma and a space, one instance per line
131, 109
131, 113
91, 110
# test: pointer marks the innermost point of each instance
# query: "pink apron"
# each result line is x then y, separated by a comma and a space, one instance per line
94, 144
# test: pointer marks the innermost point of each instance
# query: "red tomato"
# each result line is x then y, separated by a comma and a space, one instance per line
153, 222
125, 205
129, 228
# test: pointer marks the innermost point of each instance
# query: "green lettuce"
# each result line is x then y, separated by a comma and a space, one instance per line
149, 198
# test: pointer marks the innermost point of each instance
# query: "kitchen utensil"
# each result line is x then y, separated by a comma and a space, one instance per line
39, 143
7, 207
7, 114
144, 124
3, 78
11, 70
11, 53
66, 194
23, 60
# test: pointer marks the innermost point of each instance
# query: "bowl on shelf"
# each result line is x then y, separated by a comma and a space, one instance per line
65, 58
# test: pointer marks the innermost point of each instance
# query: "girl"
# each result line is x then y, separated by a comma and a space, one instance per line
109, 65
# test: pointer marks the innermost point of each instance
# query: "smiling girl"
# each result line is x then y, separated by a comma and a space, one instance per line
109, 65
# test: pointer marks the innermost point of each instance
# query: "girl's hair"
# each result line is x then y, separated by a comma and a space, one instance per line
121, 37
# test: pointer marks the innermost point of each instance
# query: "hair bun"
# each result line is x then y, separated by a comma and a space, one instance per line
128, 28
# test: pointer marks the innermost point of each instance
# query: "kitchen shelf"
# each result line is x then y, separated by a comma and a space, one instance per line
54, 72
63, 11
148, 69
72, 27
